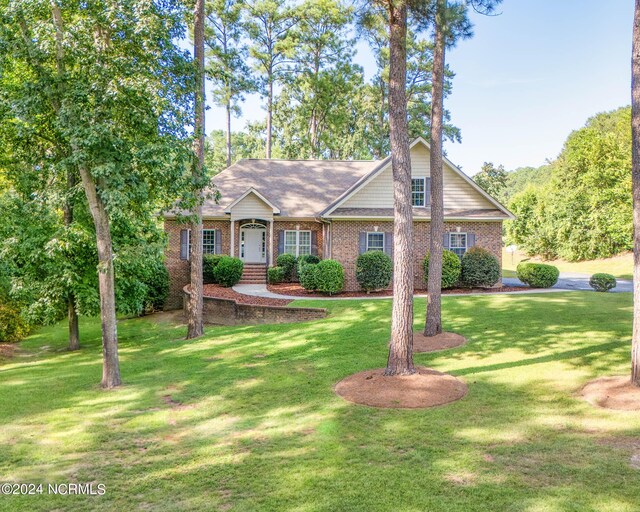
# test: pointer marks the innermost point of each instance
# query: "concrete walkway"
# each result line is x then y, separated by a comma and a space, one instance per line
260, 290
573, 281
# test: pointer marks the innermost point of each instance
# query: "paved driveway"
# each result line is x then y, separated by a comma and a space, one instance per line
571, 281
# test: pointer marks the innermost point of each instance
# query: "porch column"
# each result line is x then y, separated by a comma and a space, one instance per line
271, 243
233, 238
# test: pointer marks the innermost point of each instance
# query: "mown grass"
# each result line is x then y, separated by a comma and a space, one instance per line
620, 266
245, 419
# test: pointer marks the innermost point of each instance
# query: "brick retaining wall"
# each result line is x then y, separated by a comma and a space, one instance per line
230, 312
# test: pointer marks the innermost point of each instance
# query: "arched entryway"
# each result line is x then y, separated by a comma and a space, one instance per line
253, 242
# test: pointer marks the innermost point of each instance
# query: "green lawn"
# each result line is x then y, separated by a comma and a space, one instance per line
620, 266
245, 418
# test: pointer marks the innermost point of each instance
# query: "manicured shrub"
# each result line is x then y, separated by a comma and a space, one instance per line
480, 268
288, 264
276, 275
451, 269
157, 282
209, 263
307, 259
12, 326
602, 282
307, 274
329, 276
374, 270
228, 271
537, 275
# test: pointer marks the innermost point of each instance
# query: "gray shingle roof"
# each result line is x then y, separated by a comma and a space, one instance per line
300, 188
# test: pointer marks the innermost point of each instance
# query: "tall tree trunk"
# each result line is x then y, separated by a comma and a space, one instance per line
72, 315
106, 282
635, 173
433, 324
228, 133
194, 306
400, 361
269, 113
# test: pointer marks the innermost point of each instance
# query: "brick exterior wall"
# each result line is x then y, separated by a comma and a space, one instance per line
345, 246
291, 226
345, 243
179, 269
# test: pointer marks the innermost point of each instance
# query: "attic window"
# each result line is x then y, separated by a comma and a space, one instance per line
418, 191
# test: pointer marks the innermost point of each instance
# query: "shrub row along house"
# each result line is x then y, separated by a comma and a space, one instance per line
332, 209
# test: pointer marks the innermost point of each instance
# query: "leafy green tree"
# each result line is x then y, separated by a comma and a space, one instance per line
584, 211
519, 179
269, 24
371, 25
492, 179
100, 88
244, 144
226, 59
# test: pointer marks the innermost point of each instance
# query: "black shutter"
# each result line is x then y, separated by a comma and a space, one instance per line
218, 242
363, 242
388, 244
471, 240
314, 243
445, 241
184, 244
280, 242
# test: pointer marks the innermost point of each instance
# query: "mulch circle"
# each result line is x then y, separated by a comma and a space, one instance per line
425, 388
442, 341
612, 393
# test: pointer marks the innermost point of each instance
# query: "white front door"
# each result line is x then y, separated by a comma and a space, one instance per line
253, 244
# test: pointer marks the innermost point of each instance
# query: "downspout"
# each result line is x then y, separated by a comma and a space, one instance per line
326, 237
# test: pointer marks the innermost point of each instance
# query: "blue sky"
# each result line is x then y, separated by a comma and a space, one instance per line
525, 80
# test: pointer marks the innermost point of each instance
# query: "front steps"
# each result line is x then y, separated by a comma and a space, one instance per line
254, 273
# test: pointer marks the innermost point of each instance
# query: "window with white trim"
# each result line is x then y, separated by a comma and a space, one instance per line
458, 243
208, 241
418, 191
297, 243
375, 241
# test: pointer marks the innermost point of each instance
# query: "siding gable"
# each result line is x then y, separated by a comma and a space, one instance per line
458, 194
251, 207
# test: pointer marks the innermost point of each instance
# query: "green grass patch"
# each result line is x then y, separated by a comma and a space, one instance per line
620, 266
245, 418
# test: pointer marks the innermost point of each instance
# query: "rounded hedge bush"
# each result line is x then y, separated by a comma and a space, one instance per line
451, 269
288, 264
157, 283
209, 263
602, 282
480, 268
307, 259
329, 276
374, 270
12, 327
276, 275
537, 275
307, 275
228, 271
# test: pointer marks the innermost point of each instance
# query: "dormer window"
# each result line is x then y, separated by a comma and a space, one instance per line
419, 192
